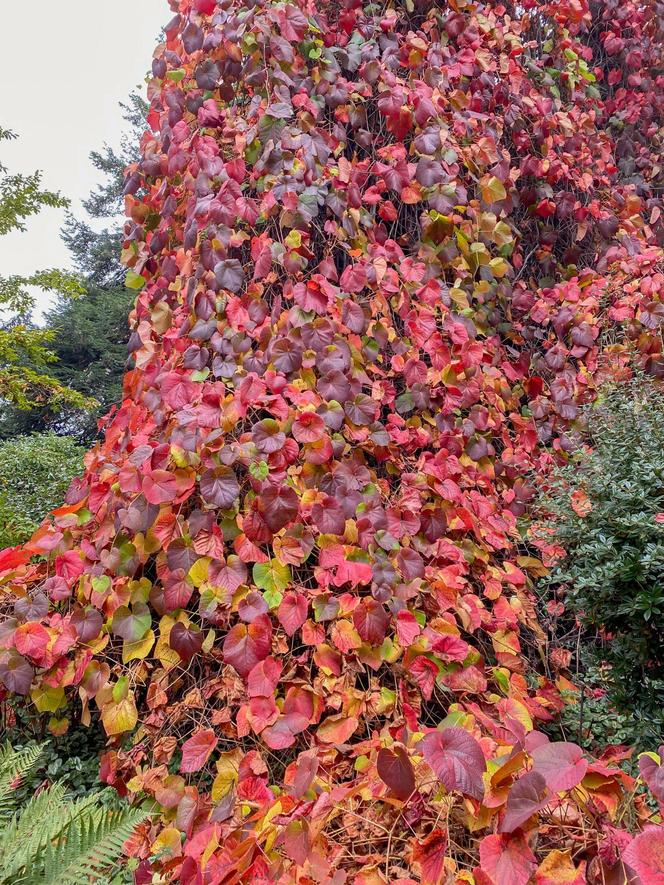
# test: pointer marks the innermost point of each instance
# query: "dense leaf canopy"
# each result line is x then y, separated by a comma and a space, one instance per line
382, 255
24, 350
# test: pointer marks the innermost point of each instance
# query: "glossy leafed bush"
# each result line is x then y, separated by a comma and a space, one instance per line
382, 256
605, 509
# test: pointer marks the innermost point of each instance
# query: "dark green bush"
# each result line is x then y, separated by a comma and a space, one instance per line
606, 509
35, 472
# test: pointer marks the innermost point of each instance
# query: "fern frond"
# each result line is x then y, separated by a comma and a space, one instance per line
90, 847
15, 765
45, 818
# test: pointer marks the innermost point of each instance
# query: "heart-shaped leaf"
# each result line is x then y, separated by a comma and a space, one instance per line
457, 759
246, 645
561, 764
396, 770
526, 797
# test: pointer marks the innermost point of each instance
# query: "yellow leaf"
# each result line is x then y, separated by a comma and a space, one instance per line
120, 717
228, 766
139, 650
558, 867
499, 267
47, 700
167, 657
168, 844
198, 573
293, 240
531, 564
161, 317
492, 189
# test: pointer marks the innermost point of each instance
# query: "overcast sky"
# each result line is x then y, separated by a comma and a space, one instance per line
64, 67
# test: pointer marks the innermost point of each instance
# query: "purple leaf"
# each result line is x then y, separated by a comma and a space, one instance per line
396, 770
229, 274
561, 765
219, 487
526, 797
457, 759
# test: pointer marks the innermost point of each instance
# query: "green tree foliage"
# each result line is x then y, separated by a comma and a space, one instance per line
89, 339
606, 508
35, 471
88, 336
25, 351
51, 838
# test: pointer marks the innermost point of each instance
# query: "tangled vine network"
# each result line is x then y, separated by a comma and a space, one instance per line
383, 254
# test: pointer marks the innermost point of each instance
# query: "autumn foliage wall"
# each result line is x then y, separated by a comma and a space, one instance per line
382, 255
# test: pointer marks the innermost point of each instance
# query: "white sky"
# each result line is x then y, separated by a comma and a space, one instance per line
64, 67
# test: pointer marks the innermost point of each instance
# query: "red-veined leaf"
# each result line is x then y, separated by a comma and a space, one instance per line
507, 860
246, 645
561, 764
457, 760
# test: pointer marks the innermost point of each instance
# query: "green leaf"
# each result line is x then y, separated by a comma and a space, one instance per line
273, 578
134, 280
259, 470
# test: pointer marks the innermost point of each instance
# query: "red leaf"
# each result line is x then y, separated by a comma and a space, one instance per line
297, 843
450, 648
305, 773
229, 574
457, 759
508, 860
526, 797
561, 764
185, 641
292, 611
371, 620
430, 854
264, 678
280, 506
407, 628
424, 672
328, 517
279, 736
246, 645
354, 278
308, 427
653, 774
396, 770
219, 487
645, 855
16, 673
13, 556
207, 7
197, 750
159, 487
31, 640
69, 566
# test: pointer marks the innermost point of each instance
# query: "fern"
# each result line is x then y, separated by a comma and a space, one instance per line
45, 818
15, 766
90, 848
53, 840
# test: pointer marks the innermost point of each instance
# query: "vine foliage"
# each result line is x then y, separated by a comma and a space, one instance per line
383, 255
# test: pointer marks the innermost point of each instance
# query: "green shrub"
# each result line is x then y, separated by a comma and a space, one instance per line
72, 757
606, 509
52, 839
35, 472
